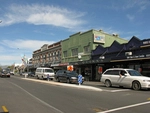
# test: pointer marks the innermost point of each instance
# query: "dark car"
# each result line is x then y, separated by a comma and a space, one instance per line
67, 76
4, 74
31, 74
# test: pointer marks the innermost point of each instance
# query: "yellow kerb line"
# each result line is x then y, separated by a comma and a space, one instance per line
5, 109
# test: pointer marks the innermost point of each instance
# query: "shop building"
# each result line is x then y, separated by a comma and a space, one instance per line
135, 55
76, 50
47, 55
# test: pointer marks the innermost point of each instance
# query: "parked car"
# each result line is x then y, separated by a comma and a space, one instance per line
4, 74
12, 73
31, 74
125, 78
67, 76
24, 74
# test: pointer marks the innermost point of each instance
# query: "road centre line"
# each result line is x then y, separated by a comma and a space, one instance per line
125, 107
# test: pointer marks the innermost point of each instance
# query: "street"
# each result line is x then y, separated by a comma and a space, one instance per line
26, 95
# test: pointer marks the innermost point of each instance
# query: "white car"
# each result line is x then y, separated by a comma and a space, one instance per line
125, 78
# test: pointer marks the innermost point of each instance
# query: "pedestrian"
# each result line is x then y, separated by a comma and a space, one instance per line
48, 77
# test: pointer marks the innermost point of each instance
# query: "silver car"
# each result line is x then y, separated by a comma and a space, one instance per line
125, 78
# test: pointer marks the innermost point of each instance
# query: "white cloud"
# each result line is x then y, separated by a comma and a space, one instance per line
130, 17
42, 15
25, 44
140, 4
9, 59
13, 50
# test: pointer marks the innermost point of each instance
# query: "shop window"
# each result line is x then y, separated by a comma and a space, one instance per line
65, 53
86, 49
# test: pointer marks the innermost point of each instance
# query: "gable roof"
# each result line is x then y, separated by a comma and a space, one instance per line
133, 43
99, 50
115, 46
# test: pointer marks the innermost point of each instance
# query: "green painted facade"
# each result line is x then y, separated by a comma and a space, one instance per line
84, 43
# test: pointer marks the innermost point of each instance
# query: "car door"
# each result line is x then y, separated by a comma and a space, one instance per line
124, 79
115, 78
65, 76
61, 75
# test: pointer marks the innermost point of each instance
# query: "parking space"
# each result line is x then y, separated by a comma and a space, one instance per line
87, 84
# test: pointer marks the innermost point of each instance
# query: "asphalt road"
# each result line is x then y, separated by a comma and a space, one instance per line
25, 95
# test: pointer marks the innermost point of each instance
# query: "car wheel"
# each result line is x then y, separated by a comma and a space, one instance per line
37, 77
136, 85
43, 78
107, 83
57, 79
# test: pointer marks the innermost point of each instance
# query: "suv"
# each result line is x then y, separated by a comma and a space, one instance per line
125, 78
67, 76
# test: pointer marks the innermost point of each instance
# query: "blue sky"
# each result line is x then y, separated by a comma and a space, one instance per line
28, 24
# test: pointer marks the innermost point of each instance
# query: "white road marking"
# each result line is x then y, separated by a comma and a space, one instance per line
38, 99
125, 107
120, 90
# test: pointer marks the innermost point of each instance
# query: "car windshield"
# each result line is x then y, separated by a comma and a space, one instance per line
49, 70
72, 73
134, 73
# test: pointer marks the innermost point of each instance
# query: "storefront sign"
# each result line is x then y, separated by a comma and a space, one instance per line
63, 64
138, 56
99, 38
145, 42
70, 68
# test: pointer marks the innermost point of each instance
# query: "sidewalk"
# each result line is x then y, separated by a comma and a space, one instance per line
96, 84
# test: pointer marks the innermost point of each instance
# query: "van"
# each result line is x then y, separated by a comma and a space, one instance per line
44, 73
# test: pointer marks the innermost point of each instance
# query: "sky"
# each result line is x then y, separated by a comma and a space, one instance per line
26, 25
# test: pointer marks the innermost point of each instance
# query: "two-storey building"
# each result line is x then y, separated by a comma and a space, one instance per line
47, 55
76, 50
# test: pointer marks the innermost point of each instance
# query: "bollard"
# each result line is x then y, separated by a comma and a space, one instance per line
79, 79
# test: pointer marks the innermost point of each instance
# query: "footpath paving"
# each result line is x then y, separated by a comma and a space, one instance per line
86, 85
92, 85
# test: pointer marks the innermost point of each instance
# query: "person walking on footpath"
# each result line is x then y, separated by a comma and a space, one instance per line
48, 77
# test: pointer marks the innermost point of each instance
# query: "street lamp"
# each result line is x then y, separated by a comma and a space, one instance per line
0, 21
